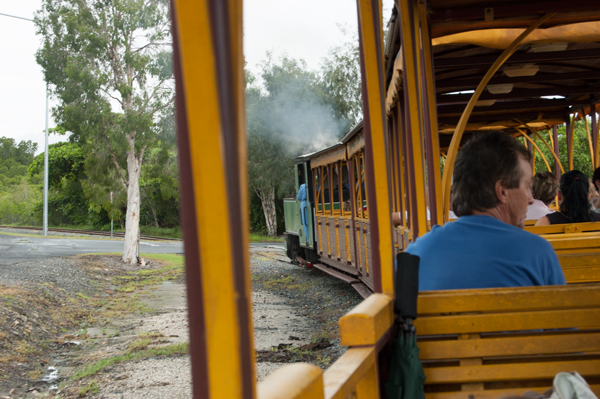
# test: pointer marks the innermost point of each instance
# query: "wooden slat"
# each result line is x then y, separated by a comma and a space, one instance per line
573, 241
342, 377
509, 299
582, 274
493, 393
530, 345
509, 372
586, 259
522, 321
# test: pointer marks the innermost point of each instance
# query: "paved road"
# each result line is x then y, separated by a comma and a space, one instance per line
24, 247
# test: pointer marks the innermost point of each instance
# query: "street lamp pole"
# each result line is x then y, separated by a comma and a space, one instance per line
111, 215
46, 171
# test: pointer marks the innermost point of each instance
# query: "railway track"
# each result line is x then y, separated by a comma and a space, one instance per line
91, 233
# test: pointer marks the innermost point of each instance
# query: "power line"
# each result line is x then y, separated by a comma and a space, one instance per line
14, 16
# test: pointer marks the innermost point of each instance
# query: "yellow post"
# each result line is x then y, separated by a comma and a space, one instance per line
413, 122
433, 173
208, 65
378, 194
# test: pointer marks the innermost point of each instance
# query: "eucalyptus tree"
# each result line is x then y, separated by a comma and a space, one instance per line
108, 63
341, 79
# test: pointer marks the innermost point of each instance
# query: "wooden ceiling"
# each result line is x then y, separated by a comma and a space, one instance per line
567, 80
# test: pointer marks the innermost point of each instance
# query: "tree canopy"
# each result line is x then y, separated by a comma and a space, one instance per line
109, 65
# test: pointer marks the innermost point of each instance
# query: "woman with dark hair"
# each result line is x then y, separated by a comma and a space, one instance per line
596, 183
573, 198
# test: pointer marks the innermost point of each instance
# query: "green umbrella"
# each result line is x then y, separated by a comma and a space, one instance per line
405, 378
405, 375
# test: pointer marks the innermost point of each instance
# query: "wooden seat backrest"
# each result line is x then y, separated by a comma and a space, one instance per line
490, 343
577, 246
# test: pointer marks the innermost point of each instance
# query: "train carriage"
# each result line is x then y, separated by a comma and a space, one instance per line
450, 69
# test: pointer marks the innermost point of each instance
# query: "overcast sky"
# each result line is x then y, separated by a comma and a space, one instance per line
302, 29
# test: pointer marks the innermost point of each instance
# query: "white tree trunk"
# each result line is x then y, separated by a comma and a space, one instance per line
131, 250
268, 204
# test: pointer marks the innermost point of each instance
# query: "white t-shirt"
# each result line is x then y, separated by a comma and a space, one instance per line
537, 210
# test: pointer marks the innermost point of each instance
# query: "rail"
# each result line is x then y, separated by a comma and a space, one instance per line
91, 233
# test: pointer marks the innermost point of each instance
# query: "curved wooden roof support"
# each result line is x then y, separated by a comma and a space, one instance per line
589, 137
535, 146
556, 159
570, 127
556, 148
551, 149
462, 123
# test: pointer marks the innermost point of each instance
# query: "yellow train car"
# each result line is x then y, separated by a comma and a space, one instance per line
451, 69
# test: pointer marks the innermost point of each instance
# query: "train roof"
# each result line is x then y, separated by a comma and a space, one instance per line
326, 152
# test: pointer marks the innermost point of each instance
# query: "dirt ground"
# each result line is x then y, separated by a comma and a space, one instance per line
90, 326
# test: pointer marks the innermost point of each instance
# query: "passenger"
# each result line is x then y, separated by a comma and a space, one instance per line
573, 199
596, 180
544, 189
302, 196
594, 196
487, 246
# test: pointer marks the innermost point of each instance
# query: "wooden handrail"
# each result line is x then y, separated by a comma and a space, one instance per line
294, 381
368, 322
355, 368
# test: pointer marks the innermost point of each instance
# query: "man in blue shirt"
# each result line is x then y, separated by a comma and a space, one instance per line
487, 246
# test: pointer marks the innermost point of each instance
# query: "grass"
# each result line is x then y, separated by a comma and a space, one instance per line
257, 237
170, 350
91, 387
282, 283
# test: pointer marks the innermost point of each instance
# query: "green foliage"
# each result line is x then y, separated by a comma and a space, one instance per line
67, 203
18, 192
65, 162
21, 153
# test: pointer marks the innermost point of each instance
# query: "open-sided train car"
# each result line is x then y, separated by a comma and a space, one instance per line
475, 344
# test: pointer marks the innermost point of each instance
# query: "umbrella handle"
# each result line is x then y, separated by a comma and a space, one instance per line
406, 285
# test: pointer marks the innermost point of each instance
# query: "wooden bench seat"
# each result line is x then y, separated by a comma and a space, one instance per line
490, 343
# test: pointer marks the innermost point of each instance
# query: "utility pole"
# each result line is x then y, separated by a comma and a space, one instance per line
46, 171
111, 215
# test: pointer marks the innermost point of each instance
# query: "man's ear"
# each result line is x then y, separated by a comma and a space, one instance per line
501, 192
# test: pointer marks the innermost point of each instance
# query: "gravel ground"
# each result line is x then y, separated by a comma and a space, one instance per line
292, 307
62, 272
